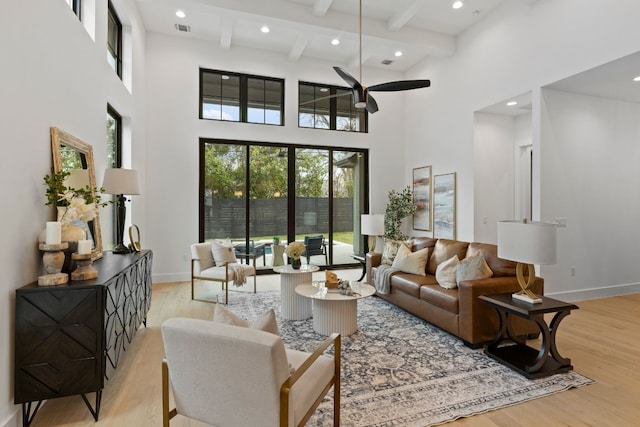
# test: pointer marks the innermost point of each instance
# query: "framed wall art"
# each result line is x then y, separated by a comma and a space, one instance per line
444, 206
422, 198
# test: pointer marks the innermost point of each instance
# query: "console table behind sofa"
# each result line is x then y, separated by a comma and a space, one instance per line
70, 338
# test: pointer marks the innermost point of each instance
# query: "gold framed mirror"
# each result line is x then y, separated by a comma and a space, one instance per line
75, 156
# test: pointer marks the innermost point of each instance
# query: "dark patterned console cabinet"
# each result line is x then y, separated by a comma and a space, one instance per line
70, 338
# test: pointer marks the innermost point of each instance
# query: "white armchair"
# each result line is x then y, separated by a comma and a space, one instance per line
224, 270
230, 376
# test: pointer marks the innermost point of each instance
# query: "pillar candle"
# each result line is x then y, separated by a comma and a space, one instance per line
84, 247
54, 233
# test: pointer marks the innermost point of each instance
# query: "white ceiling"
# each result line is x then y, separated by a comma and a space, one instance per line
419, 28
305, 28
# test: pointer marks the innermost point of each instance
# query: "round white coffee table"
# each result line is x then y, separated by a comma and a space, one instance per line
332, 311
292, 305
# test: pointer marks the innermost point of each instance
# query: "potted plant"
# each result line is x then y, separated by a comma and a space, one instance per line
399, 206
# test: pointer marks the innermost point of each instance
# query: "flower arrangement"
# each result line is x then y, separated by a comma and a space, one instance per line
400, 206
295, 250
79, 203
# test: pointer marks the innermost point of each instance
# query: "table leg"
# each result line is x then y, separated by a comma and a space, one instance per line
294, 306
553, 329
335, 316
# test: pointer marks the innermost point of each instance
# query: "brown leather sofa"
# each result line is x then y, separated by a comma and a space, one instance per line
457, 311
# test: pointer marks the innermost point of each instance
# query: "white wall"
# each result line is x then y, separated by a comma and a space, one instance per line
520, 48
590, 156
174, 130
493, 150
53, 74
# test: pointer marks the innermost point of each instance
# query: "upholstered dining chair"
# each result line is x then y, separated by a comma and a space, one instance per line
232, 376
217, 263
315, 245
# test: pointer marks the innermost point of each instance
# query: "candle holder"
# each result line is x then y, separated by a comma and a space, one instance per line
52, 260
85, 269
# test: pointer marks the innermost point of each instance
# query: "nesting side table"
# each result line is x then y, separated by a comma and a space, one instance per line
292, 305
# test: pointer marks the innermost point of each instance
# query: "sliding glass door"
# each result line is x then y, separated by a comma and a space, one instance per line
254, 194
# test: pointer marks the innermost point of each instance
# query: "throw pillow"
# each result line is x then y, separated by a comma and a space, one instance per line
446, 273
443, 250
471, 268
411, 262
222, 253
391, 249
266, 322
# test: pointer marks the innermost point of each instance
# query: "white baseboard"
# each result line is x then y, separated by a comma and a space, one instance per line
595, 293
14, 420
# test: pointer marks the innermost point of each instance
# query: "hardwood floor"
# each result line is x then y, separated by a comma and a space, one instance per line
602, 339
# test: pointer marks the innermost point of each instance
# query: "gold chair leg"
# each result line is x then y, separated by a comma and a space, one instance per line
166, 413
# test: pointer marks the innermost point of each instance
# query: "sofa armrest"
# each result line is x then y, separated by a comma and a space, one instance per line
373, 260
478, 322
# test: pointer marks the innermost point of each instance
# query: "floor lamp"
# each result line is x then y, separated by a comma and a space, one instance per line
527, 243
120, 182
372, 225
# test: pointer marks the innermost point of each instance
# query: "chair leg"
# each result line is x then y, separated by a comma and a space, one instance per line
166, 413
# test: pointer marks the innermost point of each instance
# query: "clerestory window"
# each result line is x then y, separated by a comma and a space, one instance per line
241, 97
329, 107
114, 40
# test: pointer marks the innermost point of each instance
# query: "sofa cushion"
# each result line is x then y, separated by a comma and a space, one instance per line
447, 299
446, 273
421, 242
500, 267
410, 284
391, 249
411, 262
473, 268
443, 250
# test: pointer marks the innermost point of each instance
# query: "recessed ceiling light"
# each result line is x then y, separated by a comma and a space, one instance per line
335, 42
224, 77
180, 14
457, 4
398, 53
265, 29
324, 89
511, 103
636, 79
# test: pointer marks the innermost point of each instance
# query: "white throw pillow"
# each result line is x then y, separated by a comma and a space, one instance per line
266, 322
411, 262
472, 268
222, 253
446, 273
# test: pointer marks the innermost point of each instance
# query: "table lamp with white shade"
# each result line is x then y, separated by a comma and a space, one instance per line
527, 243
119, 182
372, 225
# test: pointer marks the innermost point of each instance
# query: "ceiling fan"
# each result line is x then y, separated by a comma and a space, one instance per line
361, 96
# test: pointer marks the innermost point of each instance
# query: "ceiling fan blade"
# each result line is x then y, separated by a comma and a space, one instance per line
348, 78
400, 85
372, 105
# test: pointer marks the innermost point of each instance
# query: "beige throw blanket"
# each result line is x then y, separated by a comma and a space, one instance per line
383, 274
239, 277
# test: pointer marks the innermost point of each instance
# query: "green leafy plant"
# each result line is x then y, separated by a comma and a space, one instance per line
80, 203
399, 206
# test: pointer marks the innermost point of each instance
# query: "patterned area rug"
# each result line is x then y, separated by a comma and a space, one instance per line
398, 370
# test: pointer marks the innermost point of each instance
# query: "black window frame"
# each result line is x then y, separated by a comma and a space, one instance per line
76, 7
243, 95
117, 55
117, 118
333, 108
